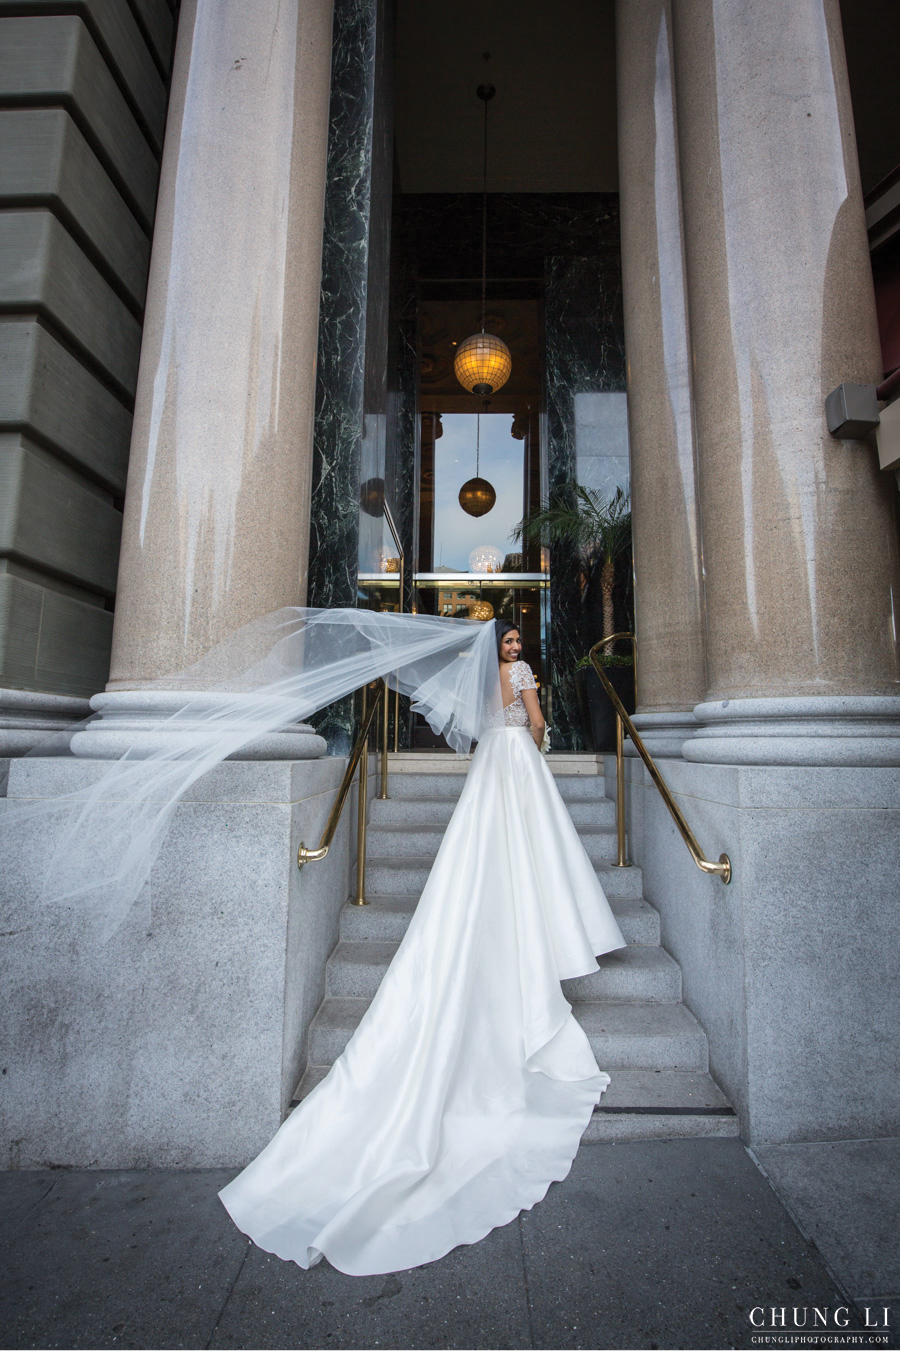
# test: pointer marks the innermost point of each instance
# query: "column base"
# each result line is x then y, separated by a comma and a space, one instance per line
138, 721
28, 718
850, 730
791, 970
663, 733
179, 1041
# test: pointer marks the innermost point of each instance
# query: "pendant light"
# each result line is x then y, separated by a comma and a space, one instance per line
477, 496
483, 362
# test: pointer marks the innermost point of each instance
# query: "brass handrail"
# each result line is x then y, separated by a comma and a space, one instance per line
723, 867
621, 854
388, 516
359, 756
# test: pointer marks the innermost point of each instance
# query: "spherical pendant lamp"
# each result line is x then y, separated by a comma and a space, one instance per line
483, 363
477, 496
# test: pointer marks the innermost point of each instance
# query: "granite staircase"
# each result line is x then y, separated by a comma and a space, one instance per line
652, 1046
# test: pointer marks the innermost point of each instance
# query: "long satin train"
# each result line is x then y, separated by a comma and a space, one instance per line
466, 1088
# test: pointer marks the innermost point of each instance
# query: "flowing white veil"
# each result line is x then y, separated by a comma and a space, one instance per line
102, 840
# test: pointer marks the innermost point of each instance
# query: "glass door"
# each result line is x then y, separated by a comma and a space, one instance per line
472, 566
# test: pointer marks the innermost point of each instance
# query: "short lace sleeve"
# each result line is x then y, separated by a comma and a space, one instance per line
522, 678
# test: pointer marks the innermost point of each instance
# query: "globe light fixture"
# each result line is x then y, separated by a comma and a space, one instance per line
477, 496
481, 609
486, 558
483, 362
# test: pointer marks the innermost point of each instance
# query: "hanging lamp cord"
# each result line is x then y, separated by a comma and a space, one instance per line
484, 222
478, 444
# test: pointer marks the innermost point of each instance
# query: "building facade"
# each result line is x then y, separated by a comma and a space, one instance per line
240, 245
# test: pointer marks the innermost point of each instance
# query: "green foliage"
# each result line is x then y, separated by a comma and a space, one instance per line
599, 527
605, 659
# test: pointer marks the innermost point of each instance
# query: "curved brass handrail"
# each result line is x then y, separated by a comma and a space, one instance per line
723, 867
360, 757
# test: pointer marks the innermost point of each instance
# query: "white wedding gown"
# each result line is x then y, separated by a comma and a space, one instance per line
466, 1088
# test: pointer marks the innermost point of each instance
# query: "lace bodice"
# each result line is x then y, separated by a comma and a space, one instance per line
520, 678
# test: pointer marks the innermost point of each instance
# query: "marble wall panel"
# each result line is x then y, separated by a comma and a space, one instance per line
601, 441
401, 449
373, 535
334, 524
584, 357
351, 389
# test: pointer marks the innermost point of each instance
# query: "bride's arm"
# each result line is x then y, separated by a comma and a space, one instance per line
535, 716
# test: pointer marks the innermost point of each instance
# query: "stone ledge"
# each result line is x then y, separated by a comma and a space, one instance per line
849, 730
147, 721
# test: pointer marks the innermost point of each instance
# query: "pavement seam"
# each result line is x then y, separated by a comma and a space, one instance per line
227, 1298
525, 1279
808, 1236
29, 1213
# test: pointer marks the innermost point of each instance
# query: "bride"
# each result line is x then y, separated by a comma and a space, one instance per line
466, 1088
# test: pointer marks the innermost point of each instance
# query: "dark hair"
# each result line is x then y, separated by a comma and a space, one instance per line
504, 626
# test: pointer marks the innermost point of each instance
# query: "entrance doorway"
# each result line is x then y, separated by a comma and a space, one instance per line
467, 565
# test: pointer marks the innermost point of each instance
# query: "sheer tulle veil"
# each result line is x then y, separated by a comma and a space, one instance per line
101, 841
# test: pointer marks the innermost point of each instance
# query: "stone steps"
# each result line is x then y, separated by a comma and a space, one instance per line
636, 973
591, 813
624, 1034
448, 786
638, 1105
407, 876
422, 839
660, 1104
631, 1010
386, 919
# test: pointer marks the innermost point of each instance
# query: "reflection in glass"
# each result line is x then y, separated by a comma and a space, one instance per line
450, 538
456, 533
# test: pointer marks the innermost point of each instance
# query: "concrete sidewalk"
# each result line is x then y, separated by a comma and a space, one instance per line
660, 1244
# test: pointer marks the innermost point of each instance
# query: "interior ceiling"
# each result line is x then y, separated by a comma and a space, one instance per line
552, 124
872, 39
553, 121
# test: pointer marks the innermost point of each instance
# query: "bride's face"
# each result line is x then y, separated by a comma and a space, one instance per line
510, 646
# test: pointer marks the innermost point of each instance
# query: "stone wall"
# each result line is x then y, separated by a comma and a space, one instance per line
792, 968
84, 97
179, 1041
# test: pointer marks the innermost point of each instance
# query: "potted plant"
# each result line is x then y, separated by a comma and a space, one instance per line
599, 529
598, 716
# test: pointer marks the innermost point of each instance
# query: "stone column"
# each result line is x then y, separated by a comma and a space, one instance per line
668, 590
799, 546
217, 508
217, 505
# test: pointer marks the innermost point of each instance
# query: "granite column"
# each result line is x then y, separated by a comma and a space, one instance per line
217, 507
799, 546
792, 768
668, 588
